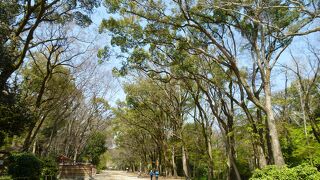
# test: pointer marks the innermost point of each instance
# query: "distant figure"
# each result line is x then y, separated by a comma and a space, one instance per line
151, 174
157, 174
127, 169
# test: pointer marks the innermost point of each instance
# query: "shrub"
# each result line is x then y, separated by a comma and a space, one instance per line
50, 167
301, 172
25, 165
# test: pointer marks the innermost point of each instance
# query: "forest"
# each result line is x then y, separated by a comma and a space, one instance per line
199, 89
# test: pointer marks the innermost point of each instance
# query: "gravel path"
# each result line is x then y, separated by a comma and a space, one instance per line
116, 175
120, 175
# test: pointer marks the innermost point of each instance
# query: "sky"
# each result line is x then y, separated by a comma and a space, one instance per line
109, 85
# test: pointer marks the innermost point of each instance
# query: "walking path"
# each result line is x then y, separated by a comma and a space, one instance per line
116, 175
121, 175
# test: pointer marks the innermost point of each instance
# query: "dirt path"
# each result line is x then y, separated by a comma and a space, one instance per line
121, 175
117, 175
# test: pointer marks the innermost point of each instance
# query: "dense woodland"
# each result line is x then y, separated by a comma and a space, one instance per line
213, 89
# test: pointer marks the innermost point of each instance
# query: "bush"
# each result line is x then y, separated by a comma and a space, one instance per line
25, 165
301, 172
50, 168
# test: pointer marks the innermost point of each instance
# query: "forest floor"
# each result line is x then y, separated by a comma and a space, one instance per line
122, 175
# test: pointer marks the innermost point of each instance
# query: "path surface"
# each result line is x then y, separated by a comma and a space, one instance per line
121, 175
116, 175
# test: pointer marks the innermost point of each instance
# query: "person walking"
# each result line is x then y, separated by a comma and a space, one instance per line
157, 174
151, 174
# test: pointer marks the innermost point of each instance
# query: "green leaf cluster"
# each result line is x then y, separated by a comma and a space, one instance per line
50, 167
25, 165
96, 146
15, 117
303, 172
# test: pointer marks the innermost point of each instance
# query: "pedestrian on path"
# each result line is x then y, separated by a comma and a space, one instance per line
157, 174
151, 174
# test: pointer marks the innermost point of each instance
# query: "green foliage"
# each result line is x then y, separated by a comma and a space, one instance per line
15, 117
104, 159
95, 147
243, 167
8, 10
103, 54
25, 165
303, 172
201, 171
50, 167
297, 149
112, 5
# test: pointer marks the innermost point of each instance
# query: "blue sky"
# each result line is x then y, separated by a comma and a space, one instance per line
115, 91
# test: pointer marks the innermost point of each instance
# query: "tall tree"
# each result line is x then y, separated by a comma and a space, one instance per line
22, 19
307, 76
215, 30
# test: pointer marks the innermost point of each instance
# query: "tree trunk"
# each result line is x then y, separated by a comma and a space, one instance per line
260, 143
210, 167
75, 155
34, 147
4, 76
270, 159
261, 157
314, 126
257, 143
233, 169
26, 144
303, 109
185, 162
174, 166
275, 143
32, 135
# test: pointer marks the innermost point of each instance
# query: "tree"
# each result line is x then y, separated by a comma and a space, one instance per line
267, 27
21, 21
307, 76
155, 110
14, 120
48, 70
95, 147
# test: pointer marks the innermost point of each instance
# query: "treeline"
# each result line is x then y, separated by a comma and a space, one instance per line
215, 90
50, 103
